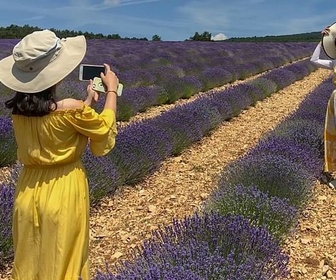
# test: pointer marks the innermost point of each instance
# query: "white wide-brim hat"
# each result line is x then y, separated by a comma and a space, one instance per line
329, 43
41, 60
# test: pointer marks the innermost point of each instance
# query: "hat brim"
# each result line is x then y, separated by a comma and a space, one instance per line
71, 54
328, 42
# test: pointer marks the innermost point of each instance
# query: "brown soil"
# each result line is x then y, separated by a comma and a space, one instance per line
182, 183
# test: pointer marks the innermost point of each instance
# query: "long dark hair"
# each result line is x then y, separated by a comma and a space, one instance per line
33, 104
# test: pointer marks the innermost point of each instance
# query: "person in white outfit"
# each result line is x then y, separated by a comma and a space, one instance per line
328, 45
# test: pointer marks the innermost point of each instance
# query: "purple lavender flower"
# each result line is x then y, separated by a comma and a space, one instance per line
205, 247
183, 87
302, 155
137, 78
304, 132
274, 175
266, 87
72, 88
139, 150
214, 77
237, 98
167, 72
315, 105
223, 106
135, 100
6, 207
281, 77
273, 213
299, 69
102, 176
7, 142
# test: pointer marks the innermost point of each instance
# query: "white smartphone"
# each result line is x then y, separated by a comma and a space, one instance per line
88, 71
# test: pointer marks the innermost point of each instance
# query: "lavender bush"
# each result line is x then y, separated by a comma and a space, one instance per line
303, 155
262, 210
139, 150
5, 95
101, 175
187, 123
134, 78
303, 132
314, 108
183, 87
6, 207
7, 142
272, 174
282, 77
138, 99
237, 98
7, 186
214, 77
210, 246
266, 87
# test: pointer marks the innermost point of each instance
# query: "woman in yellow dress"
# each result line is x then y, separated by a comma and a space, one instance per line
51, 207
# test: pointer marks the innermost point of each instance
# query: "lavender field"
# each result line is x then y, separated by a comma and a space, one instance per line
238, 233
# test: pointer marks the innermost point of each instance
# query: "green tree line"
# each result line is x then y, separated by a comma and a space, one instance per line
18, 32
302, 37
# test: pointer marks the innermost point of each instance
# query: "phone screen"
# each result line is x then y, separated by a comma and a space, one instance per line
91, 71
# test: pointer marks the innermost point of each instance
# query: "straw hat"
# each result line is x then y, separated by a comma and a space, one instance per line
40, 60
329, 43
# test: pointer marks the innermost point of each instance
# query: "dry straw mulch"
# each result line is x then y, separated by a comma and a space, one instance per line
182, 183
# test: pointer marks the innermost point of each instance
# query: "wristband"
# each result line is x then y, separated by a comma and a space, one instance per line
112, 91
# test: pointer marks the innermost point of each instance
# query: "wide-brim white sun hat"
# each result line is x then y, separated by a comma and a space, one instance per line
41, 60
329, 43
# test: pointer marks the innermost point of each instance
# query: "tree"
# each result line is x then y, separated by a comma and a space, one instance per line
205, 36
156, 38
113, 36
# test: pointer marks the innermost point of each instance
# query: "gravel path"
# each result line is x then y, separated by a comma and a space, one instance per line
181, 184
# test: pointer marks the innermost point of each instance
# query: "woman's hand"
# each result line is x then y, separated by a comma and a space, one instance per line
92, 95
111, 82
109, 79
326, 31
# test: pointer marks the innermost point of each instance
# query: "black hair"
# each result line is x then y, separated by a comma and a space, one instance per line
33, 104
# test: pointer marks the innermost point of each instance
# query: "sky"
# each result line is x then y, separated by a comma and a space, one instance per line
172, 20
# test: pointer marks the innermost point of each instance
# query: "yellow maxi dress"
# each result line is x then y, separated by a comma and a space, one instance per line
330, 136
51, 206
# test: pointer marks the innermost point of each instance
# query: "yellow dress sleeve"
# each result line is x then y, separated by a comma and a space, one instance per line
100, 128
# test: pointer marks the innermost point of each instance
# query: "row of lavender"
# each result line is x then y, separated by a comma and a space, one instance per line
155, 73
239, 232
142, 146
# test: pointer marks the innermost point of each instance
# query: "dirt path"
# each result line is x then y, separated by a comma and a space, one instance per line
312, 246
182, 183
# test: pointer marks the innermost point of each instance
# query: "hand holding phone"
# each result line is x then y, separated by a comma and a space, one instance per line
98, 86
93, 72
110, 80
